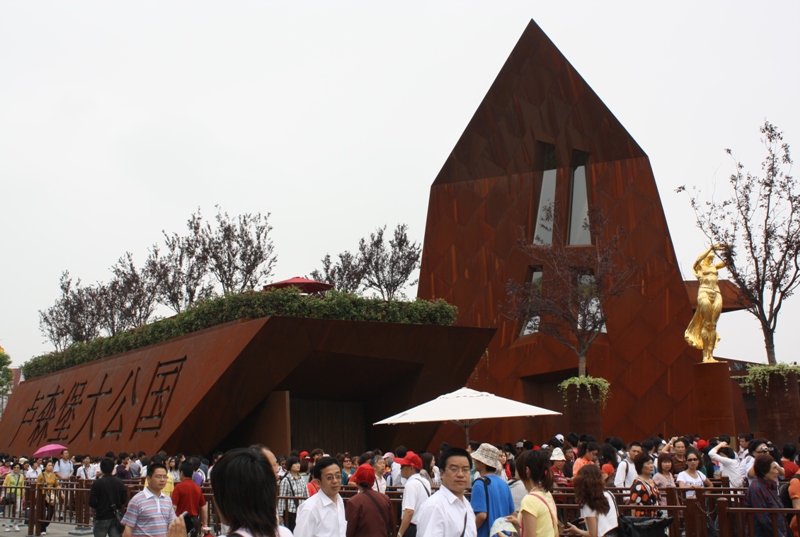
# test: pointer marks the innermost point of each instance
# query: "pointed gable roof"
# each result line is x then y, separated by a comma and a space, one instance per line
537, 96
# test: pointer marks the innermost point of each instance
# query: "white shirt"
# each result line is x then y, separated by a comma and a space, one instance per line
33, 474
86, 473
729, 467
63, 468
605, 522
416, 491
319, 516
283, 531
443, 515
626, 473
397, 479
688, 481
380, 484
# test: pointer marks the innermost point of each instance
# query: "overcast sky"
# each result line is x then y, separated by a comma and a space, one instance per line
118, 120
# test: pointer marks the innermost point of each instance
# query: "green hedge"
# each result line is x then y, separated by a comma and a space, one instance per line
251, 305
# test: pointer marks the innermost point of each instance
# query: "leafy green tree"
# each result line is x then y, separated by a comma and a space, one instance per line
240, 251
388, 268
346, 274
6, 380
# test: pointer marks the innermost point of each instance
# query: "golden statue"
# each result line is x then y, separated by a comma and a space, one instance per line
702, 331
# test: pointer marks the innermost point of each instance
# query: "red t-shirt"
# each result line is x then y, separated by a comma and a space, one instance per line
187, 497
790, 468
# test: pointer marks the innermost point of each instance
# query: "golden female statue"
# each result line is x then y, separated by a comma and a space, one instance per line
702, 331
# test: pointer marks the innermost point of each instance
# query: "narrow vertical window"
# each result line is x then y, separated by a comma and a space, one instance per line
531, 324
543, 234
579, 233
591, 317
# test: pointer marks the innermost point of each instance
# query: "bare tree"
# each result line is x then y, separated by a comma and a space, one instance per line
240, 252
182, 271
761, 222
388, 269
346, 275
75, 316
129, 298
568, 300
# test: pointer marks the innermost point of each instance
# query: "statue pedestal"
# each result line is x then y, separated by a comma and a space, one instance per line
712, 381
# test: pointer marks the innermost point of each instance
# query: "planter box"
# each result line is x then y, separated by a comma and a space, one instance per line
584, 415
779, 408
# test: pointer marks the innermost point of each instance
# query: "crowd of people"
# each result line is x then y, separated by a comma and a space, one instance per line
457, 492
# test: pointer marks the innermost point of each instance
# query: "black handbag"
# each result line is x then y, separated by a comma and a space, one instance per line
641, 526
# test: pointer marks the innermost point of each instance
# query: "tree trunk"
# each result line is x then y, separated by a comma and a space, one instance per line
581, 365
769, 343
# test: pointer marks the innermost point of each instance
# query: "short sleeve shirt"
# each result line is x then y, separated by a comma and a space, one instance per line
149, 515
794, 493
415, 492
544, 511
605, 522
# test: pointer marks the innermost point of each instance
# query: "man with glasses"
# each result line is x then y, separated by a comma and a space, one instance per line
448, 513
322, 515
150, 512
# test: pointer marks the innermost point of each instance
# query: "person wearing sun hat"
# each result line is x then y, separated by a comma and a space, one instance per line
559, 461
416, 491
491, 495
368, 512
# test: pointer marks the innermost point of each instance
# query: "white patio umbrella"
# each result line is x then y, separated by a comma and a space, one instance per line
466, 407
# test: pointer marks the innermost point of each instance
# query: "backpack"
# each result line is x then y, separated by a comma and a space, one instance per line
783, 492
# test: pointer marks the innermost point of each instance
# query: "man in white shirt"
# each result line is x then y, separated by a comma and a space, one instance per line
63, 468
416, 491
87, 471
447, 513
322, 515
626, 471
397, 479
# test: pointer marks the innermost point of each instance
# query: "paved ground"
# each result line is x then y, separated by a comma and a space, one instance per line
56, 530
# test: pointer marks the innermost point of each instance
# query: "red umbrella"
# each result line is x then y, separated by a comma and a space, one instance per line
303, 284
50, 450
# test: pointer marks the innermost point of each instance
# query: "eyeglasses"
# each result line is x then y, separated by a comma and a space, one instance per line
158, 477
692, 460
347, 460
459, 470
333, 477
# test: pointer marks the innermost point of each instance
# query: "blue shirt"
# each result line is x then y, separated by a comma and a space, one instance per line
501, 504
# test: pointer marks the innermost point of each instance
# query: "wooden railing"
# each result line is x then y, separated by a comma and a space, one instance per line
722, 505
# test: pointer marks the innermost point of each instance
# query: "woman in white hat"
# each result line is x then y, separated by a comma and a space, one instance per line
559, 460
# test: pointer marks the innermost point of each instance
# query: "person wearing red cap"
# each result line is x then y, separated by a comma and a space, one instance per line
368, 513
416, 491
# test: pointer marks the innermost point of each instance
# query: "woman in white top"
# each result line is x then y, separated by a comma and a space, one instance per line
692, 477
726, 458
598, 508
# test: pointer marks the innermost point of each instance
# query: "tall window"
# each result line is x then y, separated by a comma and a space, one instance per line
531, 325
579, 233
543, 233
594, 309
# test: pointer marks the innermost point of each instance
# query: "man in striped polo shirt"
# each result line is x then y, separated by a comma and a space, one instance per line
150, 511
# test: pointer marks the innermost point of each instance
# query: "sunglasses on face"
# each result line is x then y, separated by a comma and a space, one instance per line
692, 460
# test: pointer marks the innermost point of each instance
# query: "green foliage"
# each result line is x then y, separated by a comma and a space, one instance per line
249, 305
760, 374
587, 383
